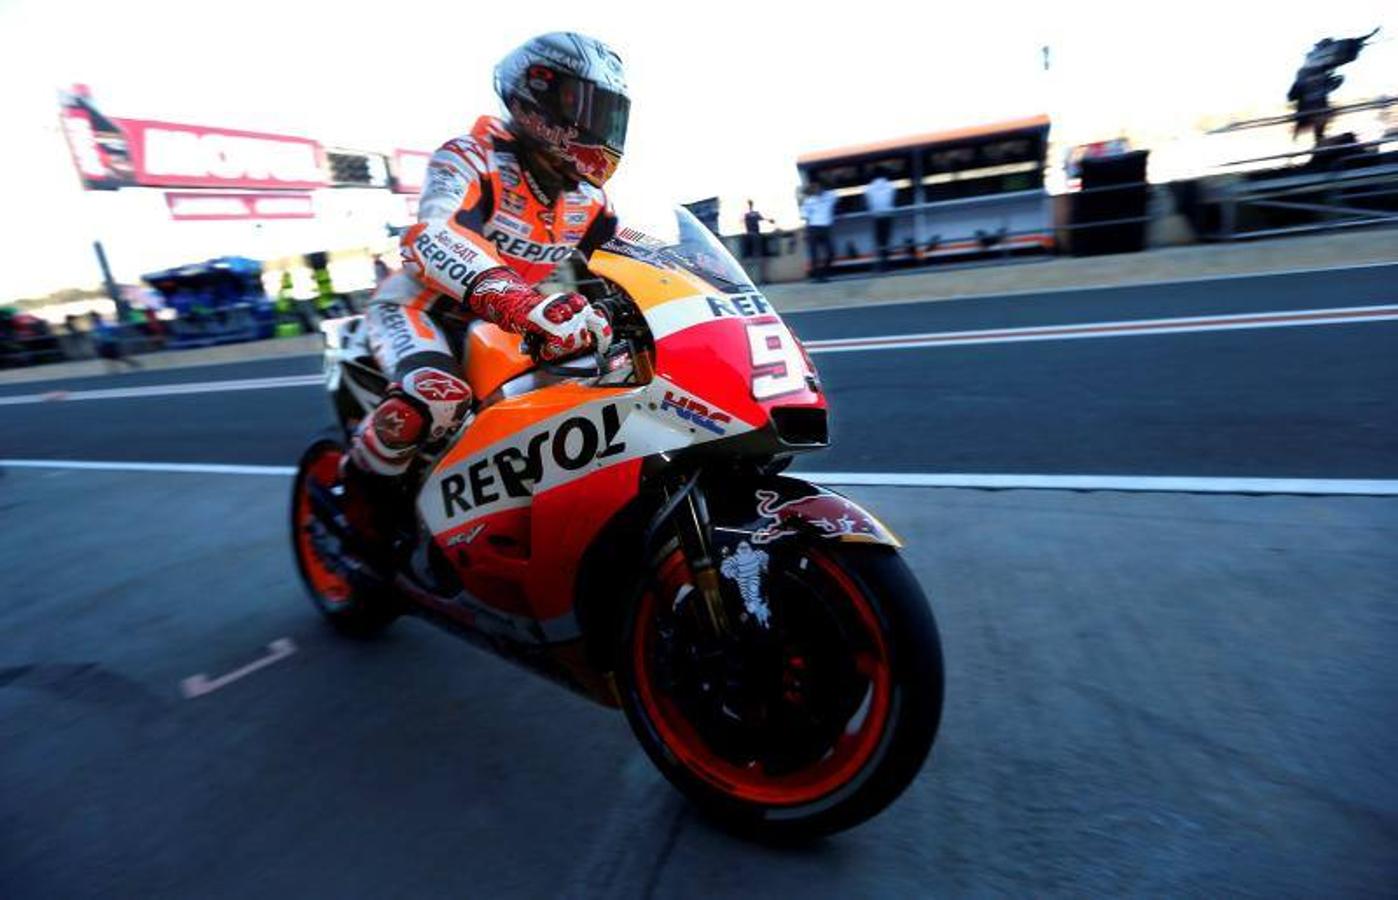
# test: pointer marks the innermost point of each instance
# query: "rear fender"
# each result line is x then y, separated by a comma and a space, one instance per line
339, 336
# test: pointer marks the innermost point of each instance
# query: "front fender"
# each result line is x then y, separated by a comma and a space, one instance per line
756, 509
765, 509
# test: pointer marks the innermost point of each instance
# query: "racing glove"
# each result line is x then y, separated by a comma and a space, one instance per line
564, 323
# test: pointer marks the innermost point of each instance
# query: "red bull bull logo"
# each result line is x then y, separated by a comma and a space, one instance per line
830, 515
594, 163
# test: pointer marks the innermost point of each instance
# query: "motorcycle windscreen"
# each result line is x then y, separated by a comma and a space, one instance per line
716, 335
674, 240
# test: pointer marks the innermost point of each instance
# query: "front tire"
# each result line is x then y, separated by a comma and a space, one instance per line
869, 633
345, 599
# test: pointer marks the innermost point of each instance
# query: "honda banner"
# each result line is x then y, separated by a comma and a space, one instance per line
169, 155
211, 206
111, 153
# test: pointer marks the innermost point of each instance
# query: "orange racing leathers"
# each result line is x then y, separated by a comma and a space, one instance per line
485, 236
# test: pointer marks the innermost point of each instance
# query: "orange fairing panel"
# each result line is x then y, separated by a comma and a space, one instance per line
566, 521
646, 284
493, 358
508, 417
532, 477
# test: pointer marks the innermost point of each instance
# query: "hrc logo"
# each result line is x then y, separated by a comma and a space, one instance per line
692, 410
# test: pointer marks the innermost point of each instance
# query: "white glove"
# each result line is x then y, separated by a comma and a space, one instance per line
568, 323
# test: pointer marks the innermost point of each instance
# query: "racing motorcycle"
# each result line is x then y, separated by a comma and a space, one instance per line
618, 523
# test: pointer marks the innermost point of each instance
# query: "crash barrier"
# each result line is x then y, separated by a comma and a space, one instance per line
29, 350
966, 227
125, 339
227, 325
58, 346
238, 323
1289, 118
1340, 187
1053, 223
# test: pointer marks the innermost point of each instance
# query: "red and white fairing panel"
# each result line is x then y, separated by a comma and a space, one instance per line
735, 350
616, 428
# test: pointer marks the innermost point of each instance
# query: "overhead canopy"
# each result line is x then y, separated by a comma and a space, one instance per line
989, 129
222, 266
220, 282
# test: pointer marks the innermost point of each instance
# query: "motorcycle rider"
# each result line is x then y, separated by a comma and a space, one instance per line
500, 207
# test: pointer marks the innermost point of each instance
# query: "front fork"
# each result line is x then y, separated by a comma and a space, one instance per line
694, 529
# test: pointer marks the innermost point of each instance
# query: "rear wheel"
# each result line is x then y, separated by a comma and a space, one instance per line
809, 725
332, 578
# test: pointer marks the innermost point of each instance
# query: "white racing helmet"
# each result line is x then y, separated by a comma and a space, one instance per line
565, 94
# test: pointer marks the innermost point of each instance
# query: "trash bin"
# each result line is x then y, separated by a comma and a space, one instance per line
1113, 189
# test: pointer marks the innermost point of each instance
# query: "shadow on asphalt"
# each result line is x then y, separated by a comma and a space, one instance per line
1158, 694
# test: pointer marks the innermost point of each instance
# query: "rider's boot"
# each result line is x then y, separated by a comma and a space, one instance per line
378, 498
371, 503
375, 506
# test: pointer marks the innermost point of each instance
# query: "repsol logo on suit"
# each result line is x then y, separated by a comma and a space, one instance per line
576, 443
452, 262
525, 249
391, 316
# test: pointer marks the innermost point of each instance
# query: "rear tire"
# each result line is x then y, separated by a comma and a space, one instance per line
353, 606
747, 798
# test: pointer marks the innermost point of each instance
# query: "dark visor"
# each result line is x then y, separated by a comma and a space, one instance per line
599, 115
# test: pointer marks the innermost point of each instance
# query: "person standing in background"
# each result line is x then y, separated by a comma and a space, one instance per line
753, 247
878, 198
818, 209
108, 341
152, 327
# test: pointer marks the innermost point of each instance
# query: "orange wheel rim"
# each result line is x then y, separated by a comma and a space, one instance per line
328, 584
852, 750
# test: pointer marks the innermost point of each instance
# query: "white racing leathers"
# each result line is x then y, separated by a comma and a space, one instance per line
485, 236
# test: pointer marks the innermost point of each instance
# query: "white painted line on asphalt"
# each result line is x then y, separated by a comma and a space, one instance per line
1126, 328
117, 466
1347, 315
1165, 483
1367, 487
161, 390
1078, 289
201, 684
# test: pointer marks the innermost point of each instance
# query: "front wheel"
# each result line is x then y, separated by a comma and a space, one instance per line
815, 714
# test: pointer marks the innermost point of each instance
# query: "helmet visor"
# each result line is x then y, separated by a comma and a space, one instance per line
599, 115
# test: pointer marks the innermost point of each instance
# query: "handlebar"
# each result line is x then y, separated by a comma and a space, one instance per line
574, 367
533, 344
